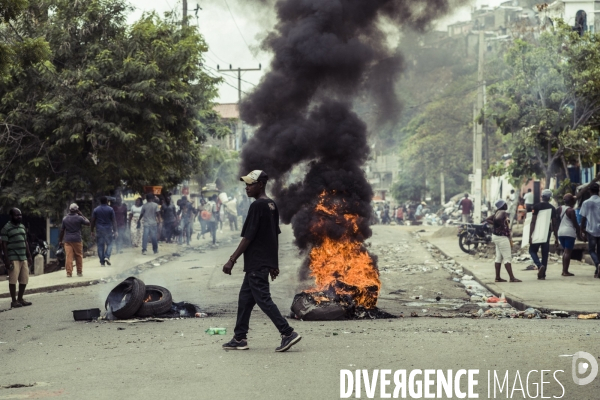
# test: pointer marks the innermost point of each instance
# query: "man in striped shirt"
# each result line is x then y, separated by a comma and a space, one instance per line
17, 257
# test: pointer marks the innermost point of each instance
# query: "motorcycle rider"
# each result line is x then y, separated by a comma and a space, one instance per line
501, 236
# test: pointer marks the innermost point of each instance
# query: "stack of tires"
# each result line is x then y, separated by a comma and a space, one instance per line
126, 300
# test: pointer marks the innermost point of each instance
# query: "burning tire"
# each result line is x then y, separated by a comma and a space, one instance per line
157, 300
126, 298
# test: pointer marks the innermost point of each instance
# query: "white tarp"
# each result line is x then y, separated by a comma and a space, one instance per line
542, 227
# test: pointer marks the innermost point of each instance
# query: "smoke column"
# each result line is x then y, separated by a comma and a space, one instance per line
326, 52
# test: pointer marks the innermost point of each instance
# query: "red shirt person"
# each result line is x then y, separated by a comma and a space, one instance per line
467, 208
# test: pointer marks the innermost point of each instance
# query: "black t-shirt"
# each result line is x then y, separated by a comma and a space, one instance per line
261, 229
545, 206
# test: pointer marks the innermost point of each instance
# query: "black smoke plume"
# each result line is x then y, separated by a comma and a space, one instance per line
326, 53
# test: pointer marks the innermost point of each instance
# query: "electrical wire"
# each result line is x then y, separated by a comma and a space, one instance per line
231, 76
238, 28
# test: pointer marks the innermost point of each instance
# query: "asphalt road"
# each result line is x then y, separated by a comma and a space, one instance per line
43, 348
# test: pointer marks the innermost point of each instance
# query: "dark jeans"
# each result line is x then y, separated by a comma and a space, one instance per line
255, 290
212, 228
594, 249
104, 241
533, 249
169, 230
151, 231
187, 230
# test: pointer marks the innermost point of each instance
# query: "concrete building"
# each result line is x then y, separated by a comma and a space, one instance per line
382, 171
582, 14
241, 132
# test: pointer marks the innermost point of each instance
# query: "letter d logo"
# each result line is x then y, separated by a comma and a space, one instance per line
581, 367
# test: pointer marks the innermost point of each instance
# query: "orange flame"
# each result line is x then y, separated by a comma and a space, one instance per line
343, 264
149, 298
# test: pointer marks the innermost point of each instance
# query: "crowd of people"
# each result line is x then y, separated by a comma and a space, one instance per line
159, 217
565, 222
384, 214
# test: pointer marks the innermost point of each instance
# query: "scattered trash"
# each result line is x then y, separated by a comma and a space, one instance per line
562, 314
201, 315
216, 331
120, 329
580, 316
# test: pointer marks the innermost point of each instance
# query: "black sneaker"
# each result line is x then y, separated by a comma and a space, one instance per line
107, 261
235, 345
288, 341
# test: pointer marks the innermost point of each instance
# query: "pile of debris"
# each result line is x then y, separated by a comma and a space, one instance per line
132, 298
330, 306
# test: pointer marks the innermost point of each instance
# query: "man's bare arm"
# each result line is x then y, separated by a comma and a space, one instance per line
236, 254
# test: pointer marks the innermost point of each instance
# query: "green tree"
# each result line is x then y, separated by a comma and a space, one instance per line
18, 51
117, 106
549, 101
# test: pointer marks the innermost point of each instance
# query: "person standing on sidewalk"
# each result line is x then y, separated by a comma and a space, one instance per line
512, 209
568, 231
120, 210
501, 237
150, 218
17, 257
543, 213
105, 224
260, 249
528, 198
134, 217
590, 225
466, 205
169, 217
70, 237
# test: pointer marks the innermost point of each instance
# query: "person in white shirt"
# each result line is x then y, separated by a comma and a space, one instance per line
528, 197
590, 225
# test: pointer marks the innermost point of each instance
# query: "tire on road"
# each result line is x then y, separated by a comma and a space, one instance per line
126, 298
467, 248
156, 307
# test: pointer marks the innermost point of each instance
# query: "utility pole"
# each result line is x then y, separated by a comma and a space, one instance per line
238, 132
185, 10
478, 143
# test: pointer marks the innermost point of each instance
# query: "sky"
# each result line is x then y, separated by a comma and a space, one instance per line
233, 33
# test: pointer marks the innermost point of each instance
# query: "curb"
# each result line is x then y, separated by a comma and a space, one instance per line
47, 289
519, 305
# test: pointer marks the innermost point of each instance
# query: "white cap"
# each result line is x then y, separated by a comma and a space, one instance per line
73, 207
255, 176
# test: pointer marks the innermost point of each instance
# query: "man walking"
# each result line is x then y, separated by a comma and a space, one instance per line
590, 225
260, 248
120, 210
17, 257
544, 214
212, 215
466, 205
169, 217
528, 198
188, 214
501, 236
105, 224
149, 217
70, 237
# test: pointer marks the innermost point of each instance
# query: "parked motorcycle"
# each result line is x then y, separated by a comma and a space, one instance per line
470, 236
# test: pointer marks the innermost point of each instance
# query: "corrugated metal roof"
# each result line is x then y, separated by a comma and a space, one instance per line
228, 110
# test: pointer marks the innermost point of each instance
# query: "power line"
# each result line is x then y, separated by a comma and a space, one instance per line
238, 28
224, 81
231, 76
